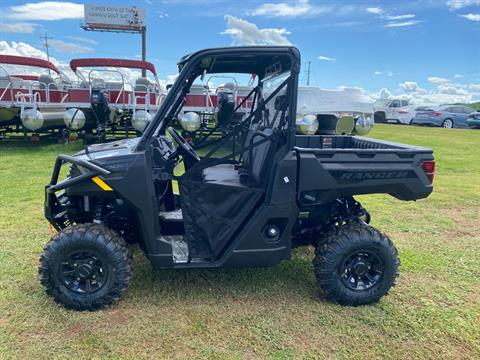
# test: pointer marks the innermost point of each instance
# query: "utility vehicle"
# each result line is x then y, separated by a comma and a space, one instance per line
254, 194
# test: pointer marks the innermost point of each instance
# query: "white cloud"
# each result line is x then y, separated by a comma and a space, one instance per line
409, 86
24, 28
472, 17
24, 49
437, 80
243, 32
20, 49
400, 17
401, 24
162, 14
375, 10
419, 96
66, 47
457, 76
378, 72
46, 10
383, 94
83, 40
451, 90
393, 20
300, 8
459, 4
326, 58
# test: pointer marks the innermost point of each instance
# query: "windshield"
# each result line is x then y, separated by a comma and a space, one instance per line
381, 102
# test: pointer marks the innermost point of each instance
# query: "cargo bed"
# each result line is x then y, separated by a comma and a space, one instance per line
345, 165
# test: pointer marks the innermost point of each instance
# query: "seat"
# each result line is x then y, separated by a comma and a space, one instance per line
142, 84
222, 174
114, 85
98, 83
46, 81
254, 159
258, 145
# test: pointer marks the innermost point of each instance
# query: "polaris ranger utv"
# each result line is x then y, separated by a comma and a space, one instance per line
255, 194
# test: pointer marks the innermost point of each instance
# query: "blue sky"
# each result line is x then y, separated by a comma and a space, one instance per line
424, 49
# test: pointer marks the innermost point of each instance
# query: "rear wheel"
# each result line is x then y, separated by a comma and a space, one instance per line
85, 267
447, 123
356, 265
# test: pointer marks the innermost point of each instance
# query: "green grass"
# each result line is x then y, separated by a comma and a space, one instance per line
434, 311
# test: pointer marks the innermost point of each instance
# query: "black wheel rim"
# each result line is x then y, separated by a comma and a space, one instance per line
361, 270
83, 272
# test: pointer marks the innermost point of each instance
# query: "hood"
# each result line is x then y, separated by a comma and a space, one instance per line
109, 150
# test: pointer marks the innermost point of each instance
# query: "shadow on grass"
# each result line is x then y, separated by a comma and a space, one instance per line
289, 280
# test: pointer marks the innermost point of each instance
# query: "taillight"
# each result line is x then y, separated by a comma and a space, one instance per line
437, 113
429, 169
401, 112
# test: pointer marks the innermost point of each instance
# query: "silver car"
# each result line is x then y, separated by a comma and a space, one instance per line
447, 116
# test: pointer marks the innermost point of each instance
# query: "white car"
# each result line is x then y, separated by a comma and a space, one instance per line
395, 111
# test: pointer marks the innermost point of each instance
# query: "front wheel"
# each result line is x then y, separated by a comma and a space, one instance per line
379, 117
356, 265
447, 124
85, 267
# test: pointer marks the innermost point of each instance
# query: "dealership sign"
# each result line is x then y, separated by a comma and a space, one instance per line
114, 17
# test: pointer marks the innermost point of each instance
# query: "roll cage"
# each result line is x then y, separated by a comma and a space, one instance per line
263, 61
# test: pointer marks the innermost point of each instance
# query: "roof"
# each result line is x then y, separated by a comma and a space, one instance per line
243, 59
101, 62
27, 61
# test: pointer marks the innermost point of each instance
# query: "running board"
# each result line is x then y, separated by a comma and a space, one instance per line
179, 247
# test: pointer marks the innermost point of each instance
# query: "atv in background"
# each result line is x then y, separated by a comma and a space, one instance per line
255, 194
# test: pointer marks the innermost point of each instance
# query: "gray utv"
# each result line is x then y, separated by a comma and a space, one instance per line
257, 192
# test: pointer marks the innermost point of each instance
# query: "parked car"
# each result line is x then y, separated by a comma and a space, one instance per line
447, 116
473, 120
396, 111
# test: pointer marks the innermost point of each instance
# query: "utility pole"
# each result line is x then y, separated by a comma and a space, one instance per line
144, 49
308, 72
45, 39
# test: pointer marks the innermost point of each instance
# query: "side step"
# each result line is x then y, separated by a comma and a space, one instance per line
179, 247
172, 216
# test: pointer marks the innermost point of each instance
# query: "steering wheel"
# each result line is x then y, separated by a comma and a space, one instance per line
186, 148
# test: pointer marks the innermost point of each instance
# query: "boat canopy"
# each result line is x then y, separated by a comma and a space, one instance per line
27, 61
314, 100
100, 62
